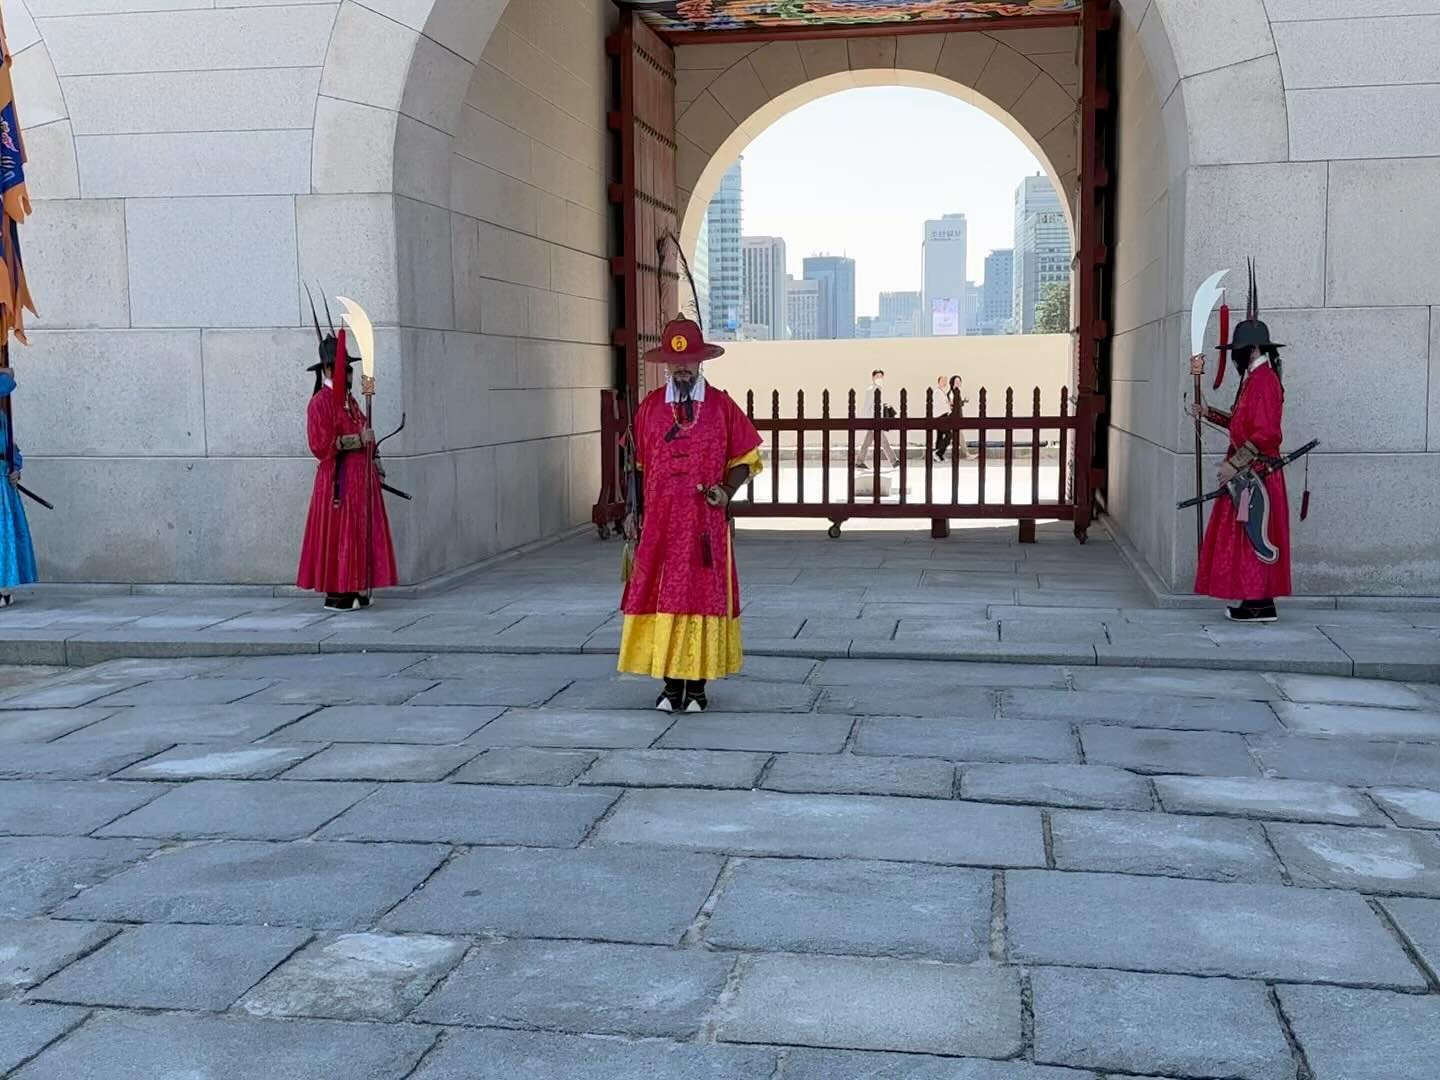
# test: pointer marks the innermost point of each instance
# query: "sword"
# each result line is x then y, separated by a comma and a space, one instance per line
33, 497
1274, 465
395, 491
1206, 297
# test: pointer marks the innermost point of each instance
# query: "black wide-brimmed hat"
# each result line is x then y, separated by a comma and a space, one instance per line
327, 342
1250, 332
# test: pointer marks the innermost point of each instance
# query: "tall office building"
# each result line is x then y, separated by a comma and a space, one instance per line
765, 305
802, 304
836, 275
999, 287
974, 301
724, 220
942, 276
899, 314
1042, 248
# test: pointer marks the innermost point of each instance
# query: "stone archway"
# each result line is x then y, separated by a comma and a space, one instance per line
1027, 80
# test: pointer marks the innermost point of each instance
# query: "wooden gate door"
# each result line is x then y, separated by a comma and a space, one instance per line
645, 195
1095, 219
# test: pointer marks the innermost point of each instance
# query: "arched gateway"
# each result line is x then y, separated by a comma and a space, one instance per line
446, 161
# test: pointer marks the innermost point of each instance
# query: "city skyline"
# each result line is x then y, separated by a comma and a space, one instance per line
806, 174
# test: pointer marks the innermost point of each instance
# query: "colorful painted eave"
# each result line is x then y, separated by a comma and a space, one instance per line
692, 20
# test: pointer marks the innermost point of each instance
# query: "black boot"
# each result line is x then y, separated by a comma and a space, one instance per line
672, 698
695, 699
1256, 611
339, 602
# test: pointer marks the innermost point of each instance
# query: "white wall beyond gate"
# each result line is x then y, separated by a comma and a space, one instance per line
196, 164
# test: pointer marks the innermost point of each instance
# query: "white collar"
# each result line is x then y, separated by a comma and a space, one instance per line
329, 383
697, 394
1260, 361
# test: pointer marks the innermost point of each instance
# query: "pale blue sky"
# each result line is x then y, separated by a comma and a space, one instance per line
858, 173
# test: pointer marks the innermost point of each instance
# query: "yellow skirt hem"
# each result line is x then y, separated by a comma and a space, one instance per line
680, 646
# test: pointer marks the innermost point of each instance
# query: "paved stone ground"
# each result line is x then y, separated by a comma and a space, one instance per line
455, 866
978, 596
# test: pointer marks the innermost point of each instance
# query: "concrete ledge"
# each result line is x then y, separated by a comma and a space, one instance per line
433, 586
1162, 597
1414, 663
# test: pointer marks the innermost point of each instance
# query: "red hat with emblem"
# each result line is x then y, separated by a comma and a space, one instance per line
682, 339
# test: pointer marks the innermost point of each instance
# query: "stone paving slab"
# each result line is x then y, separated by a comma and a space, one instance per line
827, 826
807, 1064
1101, 787
383, 761
537, 1055
470, 814
618, 894
1168, 925
1172, 1024
1363, 1034
206, 691
523, 765
67, 694
239, 810
1413, 725
1419, 921
1124, 842
130, 1046
1253, 797
61, 807
740, 696
774, 732
173, 967
71, 761
875, 1004
31, 950
1233, 685
393, 690
1350, 761
38, 872
308, 669
1038, 741
856, 908
25, 1030
498, 667
1139, 710
509, 692
1324, 690
207, 762
1414, 808
578, 986
189, 723
929, 673
355, 977
1206, 753
391, 723
1372, 860
846, 774
582, 730
43, 725
908, 699
1407, 654
315, 885
676, 768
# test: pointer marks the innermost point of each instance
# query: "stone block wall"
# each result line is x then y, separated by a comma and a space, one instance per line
1298, 133
195, 166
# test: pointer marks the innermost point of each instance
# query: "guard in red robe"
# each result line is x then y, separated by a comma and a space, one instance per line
695, 448
347, 550
1245, 556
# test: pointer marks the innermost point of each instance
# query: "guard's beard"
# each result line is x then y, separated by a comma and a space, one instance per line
684, 388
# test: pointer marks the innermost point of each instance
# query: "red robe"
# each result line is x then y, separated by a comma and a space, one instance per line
338, 539
681, 616
1228, 568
